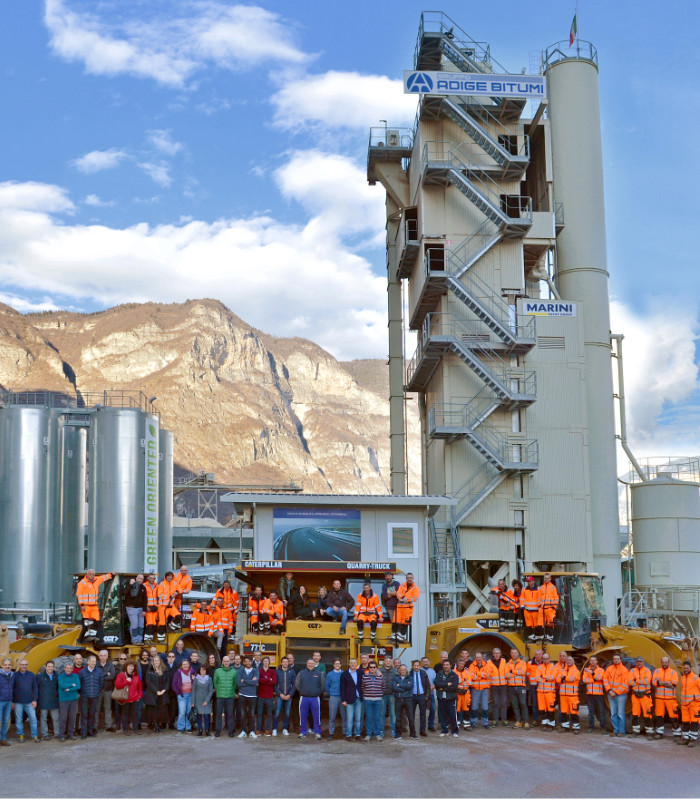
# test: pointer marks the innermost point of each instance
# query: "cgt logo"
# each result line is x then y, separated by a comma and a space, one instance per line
419, 83
313, 625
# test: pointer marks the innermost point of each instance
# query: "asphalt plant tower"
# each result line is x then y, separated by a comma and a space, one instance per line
496, 262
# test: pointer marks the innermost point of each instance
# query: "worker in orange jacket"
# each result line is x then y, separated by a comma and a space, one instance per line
531, 603
546, 692
616, 680
88, 594
151, 616
231, 599
221, 625
499, 688
664, 681
517, 672
258, 620
200, 621
559, 669
274, 608
168, 613
184, 586
367, 609
640, 691
690, 705
549, 600
464, 695
595, 694
480, 673
568, 681
507, 604
532, 667
407, 596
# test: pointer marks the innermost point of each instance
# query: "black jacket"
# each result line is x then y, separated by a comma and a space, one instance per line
446, 685
340, 599
153, 684
348, 693
425, 680
135, 596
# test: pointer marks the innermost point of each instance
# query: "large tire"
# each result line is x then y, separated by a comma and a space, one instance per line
484, 643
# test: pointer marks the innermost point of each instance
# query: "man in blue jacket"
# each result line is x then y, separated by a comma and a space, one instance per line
7, 685
334, 699
47, 681
248, 679
285, 688
351, 699
91, 682
26, 696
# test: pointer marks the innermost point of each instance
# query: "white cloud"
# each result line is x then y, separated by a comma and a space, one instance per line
661, 377
163, 141
342, 100
97, 160
94, 200
25, 306
285, 279
33, 198
159, 173
126, 39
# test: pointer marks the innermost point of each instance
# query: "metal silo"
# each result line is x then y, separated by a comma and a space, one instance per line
666, 533
165, 502
73, 518
123, 490
28, 442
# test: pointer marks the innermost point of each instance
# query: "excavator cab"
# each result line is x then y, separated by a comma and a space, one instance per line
112, 612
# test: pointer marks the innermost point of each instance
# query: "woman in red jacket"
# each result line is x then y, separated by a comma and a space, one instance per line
129, 715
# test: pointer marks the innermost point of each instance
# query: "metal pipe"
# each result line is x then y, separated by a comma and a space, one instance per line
618, 337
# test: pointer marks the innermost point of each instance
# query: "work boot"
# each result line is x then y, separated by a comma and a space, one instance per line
526, 726
691, 743
518, 725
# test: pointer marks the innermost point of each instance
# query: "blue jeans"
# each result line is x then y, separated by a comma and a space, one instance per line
342, 613
373, 722
20, 708
433, 709
353, 718
5, 711
282, 706
533, 703
136, 629
388, 703
184, 703
617, 711
480, 700
334, 705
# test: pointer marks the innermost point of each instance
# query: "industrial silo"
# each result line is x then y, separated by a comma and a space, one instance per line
28, 443
123, 490
666, 534
73, 517
165, 502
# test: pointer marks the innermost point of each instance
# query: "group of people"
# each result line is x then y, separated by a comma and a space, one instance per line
155, 608
533, 606
249, 697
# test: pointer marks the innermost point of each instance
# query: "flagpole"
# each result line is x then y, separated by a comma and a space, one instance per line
578, 48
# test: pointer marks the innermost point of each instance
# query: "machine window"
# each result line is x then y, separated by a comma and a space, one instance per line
402, 539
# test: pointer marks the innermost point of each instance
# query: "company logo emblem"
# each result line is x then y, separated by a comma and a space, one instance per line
419, 83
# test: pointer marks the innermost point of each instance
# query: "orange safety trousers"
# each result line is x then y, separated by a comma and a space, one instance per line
90, 611
549, 614
691, 712
666, 705
641, 706
546, 701
464, 701
568, 704
533, 619
167, 612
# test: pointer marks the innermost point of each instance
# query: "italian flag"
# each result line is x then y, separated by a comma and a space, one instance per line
573, 31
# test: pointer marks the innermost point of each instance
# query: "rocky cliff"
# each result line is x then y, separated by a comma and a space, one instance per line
250, 407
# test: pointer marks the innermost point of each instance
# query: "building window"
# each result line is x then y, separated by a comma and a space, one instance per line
402, 539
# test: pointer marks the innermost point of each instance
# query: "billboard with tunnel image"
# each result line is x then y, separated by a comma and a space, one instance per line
317, 534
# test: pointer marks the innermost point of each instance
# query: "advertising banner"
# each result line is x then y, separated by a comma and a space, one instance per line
548, 308
317, 534
150, 558
474, 84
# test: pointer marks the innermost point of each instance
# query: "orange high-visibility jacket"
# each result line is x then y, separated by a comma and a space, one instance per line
408, 595
616, 679
690, 689
568, 680
517, 672
546, 678
499, 674
549, 596
275, 610
640, 679
593, 678
230, 598
530, 599
480, 677
464, 679
255, 605
89, 593
559, 670
200, 621
368, 605
183, 583
221, 620
507, 601
151, 594
667, 675
166, 592
532, 671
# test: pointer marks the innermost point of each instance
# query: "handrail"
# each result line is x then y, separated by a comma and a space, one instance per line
379, 137
437, 152
562, 51
111, 398
472, 488
494, 128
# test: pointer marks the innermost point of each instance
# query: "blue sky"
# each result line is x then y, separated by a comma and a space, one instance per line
169, 149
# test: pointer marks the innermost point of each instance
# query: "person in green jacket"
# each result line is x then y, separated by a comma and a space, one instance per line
68, 693
225, 687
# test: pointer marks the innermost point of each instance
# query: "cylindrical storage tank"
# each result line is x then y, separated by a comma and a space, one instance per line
165, 502
73, 518
582, 275
28, 442
666, 533
122, 490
